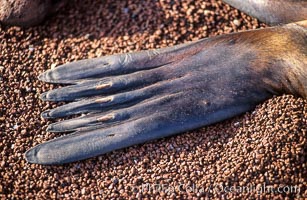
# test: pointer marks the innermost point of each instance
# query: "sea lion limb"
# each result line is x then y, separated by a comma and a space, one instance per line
132, 98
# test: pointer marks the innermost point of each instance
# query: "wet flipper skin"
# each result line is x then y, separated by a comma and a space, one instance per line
132, 98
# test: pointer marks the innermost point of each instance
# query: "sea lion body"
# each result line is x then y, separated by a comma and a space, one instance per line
27, 12
273, 12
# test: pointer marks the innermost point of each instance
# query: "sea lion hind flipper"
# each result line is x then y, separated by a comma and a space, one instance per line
120, 64
105, 85
126, 97
211, 80
161, 117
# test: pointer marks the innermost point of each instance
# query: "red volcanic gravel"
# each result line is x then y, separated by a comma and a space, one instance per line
238, 158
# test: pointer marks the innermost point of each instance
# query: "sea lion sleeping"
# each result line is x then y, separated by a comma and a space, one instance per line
132, 98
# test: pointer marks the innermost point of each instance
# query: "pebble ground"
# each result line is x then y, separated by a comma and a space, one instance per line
236, 159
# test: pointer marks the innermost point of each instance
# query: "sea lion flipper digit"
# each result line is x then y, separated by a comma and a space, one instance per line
120, 64
211, 80
140, 123
273, 11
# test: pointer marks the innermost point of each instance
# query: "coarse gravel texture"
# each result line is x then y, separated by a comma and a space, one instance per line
266, 146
